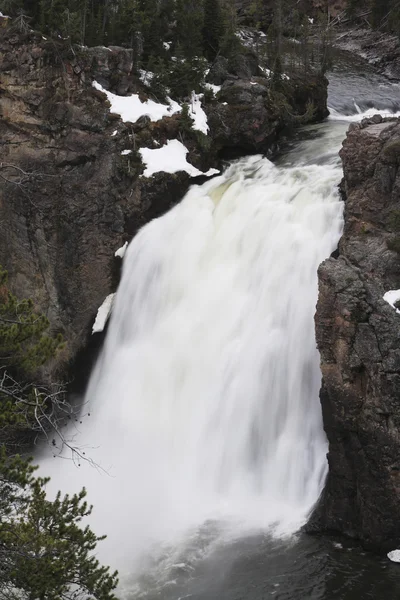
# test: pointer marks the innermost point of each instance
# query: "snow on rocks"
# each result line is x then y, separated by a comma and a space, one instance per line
102, 314
391, 298
170, 158
198, 115
121, 251
394, 556
213, 88
131, 108
145, 76
266, 71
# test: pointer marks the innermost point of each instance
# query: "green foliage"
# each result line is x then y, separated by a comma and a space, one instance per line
24, 346
189, 22
230, 45
45, 553
185, 76
213, 28
185, 121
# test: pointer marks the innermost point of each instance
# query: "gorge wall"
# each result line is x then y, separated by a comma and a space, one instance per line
69, 199
358, 335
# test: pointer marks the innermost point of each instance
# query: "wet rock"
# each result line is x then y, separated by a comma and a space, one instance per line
358, 338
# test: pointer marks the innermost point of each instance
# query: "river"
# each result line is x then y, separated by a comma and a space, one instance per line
205, 425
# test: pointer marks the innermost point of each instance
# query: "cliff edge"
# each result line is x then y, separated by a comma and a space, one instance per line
358, 335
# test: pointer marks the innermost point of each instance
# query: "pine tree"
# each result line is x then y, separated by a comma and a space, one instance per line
44, 551
24, 345
213, 28
189, 23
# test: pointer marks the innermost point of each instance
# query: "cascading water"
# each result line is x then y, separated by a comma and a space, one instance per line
204, 404
204, 410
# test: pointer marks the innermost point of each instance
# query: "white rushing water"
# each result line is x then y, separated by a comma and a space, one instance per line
204, 405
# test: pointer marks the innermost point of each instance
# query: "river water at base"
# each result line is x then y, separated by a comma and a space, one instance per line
200, 498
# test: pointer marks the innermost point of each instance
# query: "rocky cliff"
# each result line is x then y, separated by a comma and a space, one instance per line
358, 335
68, 197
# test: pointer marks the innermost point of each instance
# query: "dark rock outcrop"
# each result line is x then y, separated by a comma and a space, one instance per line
358, 335
68, 199
380, 49
249, 117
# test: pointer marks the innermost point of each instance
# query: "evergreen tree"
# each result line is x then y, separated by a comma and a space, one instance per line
189, 23
213, 28
230, 44
44, 552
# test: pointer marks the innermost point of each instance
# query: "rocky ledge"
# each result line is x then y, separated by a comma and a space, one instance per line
72, 190
380, 49
358, 335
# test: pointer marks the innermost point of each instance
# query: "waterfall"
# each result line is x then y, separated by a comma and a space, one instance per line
204, 404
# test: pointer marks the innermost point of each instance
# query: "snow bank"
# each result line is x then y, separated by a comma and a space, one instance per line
121, 251
198, 115
131, 108
391, 298
213, 88
102, 314
394, 556
170, 158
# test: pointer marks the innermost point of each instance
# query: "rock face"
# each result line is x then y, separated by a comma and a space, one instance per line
380, 49
68, 197
358, 337
249, 118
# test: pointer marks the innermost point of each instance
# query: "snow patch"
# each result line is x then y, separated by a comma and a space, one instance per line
213, 88
391, 298
102, 314
121, 251
198, 115
125, 152
267, 72
167, 45
170, 158
145, 77
131, 108
114, 133
394, 556
338, 545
